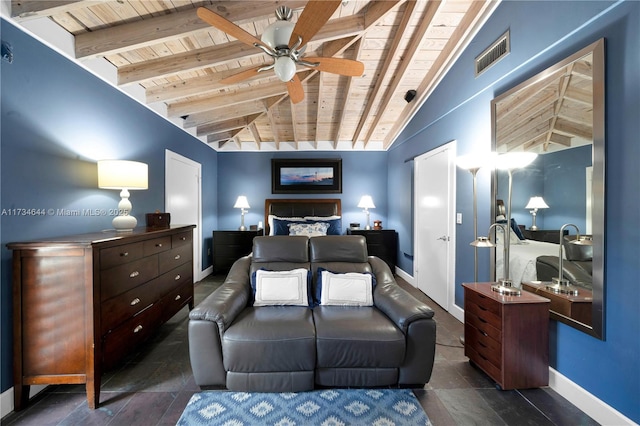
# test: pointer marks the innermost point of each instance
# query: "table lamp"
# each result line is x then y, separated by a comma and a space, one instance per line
125, 176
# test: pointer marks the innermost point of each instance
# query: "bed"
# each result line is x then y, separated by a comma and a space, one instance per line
280, 215
522, 252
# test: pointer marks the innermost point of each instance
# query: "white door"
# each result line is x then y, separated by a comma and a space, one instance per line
434, 257
183, 195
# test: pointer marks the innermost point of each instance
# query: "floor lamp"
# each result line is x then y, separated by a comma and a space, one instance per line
510, 161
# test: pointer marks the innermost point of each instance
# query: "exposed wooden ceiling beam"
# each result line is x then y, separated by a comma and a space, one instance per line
234, 111
223, 126
408, 55
222, 136
348, 93
138, 34
219, 54
25, 10
224, 100
376, 92
477, 13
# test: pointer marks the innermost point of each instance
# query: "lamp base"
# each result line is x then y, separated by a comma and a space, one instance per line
562, 286
124, 223
506, 288
242, 228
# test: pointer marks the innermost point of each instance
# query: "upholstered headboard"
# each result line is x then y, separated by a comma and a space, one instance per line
300, 207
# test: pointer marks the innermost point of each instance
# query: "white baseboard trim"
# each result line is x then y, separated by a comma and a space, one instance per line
589, 404
204, 274
405, 276
6, 399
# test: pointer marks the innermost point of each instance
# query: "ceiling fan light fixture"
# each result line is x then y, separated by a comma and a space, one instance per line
277, 35
285, 68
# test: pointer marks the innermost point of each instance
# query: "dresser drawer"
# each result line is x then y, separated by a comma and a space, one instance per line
172, 279
126, 305
482, 326
181, 239
125, 277
157, 245
119, 255
175, 300
175, 257
488, 348
485, 302
494, 372
121, 340
484, 314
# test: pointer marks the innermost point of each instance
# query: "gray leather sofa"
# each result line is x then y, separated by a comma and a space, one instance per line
577, 268
293, 348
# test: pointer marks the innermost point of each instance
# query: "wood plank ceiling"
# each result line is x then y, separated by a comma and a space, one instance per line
179, 60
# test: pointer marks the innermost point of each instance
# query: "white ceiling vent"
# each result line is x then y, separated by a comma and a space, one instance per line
498, 50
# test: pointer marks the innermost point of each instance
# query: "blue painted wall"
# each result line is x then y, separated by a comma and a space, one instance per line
250, 174
460, 109
57, 121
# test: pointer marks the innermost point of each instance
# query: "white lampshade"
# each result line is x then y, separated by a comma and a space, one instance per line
514, 160
366, 202
121, 174
536, 203
241, 203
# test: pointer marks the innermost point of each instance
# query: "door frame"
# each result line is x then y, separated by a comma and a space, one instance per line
170, 156
450, 148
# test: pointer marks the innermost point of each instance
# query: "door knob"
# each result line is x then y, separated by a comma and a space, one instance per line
444, 238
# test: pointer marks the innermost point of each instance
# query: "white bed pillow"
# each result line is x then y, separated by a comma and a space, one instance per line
350, 289
281, 288
315, 229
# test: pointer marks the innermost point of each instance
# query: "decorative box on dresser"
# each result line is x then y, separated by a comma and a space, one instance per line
382, 243
82, 302
229, 246
507, 336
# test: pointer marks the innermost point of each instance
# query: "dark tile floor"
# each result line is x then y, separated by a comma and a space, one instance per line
153, 386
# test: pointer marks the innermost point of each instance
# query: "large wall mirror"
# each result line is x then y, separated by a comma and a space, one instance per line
558, 114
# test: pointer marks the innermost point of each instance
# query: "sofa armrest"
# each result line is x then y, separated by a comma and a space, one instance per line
400, 306
223, 305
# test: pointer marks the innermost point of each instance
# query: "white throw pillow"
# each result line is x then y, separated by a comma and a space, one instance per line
308, 229
282, 288
350, 289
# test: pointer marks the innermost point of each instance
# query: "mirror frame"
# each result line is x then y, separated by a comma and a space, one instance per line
597, 49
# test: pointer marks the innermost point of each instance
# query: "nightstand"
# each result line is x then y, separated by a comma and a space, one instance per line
229, 246
507, 337
382, 243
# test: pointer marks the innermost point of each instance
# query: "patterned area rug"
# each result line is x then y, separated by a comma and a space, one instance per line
332, 407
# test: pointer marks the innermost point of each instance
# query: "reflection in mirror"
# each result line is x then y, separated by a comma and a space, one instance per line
558, 114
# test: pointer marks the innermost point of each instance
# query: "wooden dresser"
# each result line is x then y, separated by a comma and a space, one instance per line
507, 336
82, 302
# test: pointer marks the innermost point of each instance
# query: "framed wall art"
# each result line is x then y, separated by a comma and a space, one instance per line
301, 176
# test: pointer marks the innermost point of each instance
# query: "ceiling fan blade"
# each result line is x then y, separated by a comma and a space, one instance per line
227, 26
315, 14
244, 75
340, 66
296, 92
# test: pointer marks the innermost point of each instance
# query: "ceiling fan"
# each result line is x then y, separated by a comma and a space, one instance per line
286, 43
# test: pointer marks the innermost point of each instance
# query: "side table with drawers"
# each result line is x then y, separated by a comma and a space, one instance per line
229, 246
507, 336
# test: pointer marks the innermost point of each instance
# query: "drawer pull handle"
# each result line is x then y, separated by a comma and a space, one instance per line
482, 320
135, 301
481, 344
483, 333
137, 329
482, 308
177, 257
177, 277
134, 274
183, 238
178, 297
125, 254
159, 245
